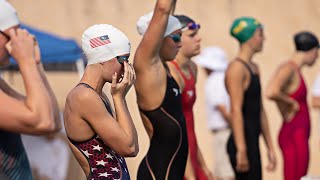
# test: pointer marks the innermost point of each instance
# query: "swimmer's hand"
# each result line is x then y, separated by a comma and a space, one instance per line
21, 46
292, 110
122, 87
242, 162
272, 161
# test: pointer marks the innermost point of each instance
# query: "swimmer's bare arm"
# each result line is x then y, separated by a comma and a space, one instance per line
201, 160
276, 86
11, 92
147, 54
235, 79
119, 134
189, 174
34, 114
54, 103
204, 166
265, 130
194, 69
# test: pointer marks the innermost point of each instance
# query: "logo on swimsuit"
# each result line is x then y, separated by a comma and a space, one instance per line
190, 93
176, 91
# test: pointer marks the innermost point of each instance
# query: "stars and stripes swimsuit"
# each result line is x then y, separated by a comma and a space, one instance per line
104, 163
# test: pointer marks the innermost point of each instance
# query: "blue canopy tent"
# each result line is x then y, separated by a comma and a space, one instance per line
57, 54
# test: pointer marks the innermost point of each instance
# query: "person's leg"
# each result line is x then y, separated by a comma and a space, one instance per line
288, 149
302, 152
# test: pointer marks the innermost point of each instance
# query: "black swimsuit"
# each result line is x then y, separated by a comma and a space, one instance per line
251, 109
104, 163
168, 151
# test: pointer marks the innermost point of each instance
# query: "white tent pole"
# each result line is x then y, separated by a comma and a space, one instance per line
80, 67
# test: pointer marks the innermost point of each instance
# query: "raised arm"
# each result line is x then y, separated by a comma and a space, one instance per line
235, 78
34, 113
147, 53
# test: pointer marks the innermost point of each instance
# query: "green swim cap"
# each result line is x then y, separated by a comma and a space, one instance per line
243, 28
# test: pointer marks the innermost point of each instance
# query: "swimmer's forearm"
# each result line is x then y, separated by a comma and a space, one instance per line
189, 173
265, 130
54, 103
282, 97
165, 5
147, 53
37, 98
201, 159
238, 131
125, 121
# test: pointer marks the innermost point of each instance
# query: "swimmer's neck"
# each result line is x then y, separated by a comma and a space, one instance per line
183, 61
94, 79
246, 54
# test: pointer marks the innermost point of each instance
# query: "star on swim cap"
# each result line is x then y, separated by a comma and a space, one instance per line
243, 28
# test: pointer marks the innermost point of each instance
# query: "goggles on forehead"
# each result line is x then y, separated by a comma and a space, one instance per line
191, 26
121, 59
175, 37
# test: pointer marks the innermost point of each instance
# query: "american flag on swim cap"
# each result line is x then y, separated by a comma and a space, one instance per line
99, 41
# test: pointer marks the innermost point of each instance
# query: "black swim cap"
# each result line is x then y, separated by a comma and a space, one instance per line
184, 20
305, 41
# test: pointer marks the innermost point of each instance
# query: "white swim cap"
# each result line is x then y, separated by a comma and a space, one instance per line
8, 16
143, 23
102, 42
